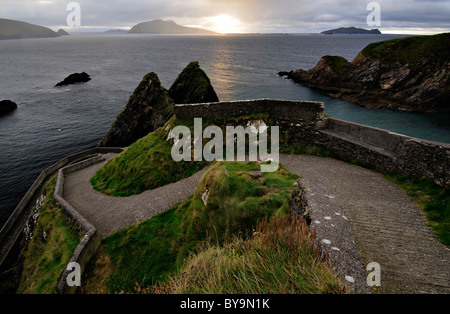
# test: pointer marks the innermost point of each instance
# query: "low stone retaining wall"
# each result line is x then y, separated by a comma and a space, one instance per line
386, 151
90, 242
12, 230
304, 122
333, 234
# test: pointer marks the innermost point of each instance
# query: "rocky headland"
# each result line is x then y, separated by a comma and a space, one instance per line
151, 105
11, 29
411, 74
6, 106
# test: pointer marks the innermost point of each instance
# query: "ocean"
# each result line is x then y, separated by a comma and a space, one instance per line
240, 67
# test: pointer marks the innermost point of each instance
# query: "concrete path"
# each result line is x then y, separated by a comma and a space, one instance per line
109, 214
388, 227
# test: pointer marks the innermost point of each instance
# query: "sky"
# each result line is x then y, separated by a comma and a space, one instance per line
238, 16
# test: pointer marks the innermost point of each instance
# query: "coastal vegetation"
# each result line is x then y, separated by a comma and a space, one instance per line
236, 213
52, 244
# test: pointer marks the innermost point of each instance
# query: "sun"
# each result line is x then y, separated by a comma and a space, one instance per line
225, 24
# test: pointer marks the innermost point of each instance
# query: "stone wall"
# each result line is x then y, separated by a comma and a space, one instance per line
12, 231
90, 242
304, 122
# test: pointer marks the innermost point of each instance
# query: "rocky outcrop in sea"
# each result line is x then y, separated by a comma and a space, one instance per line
193, 86
7, 106
75, 78
151, 105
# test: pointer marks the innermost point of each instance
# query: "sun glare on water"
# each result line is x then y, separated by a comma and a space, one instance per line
225, 24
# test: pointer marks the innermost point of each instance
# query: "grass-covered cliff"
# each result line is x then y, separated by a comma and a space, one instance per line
411, 73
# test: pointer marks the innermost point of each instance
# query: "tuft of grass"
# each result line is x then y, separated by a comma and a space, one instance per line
46, 257
239, 196
433, 199
279, 258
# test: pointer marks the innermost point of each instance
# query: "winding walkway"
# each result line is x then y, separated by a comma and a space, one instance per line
388, 227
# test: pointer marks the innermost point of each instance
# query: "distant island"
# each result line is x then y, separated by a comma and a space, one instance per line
11, 29
167, 27
62, 32
351, 31
117, 31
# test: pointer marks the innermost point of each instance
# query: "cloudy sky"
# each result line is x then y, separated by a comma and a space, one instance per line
268, 16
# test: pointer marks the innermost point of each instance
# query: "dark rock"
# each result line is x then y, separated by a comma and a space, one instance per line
7, 106
409, 74
75, 78
298, 203
149, 108
284, 73
193, 86
62, 32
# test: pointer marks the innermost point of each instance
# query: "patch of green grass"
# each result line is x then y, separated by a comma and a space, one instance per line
144, 165
433, 199
278, 259
411, 50
147, 164
45, 259
337, 64
238, 198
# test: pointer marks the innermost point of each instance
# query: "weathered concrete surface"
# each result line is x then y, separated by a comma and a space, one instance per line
333, 233
388, 226
109, 214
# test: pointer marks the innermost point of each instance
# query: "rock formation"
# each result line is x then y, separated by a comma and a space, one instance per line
149, 108
75, 78
62, 32
7, 106
411, 74
193, 86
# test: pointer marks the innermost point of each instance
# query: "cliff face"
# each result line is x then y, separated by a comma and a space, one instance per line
148, 108
411, 73
193, 86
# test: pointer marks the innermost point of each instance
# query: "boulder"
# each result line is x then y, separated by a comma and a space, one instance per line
193, 86
7, 106
149, 108
75, 78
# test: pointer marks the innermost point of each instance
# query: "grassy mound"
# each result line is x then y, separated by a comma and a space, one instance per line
238, 197
144, 165
53, 242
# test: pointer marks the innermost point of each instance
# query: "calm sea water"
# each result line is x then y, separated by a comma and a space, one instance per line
240, 67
